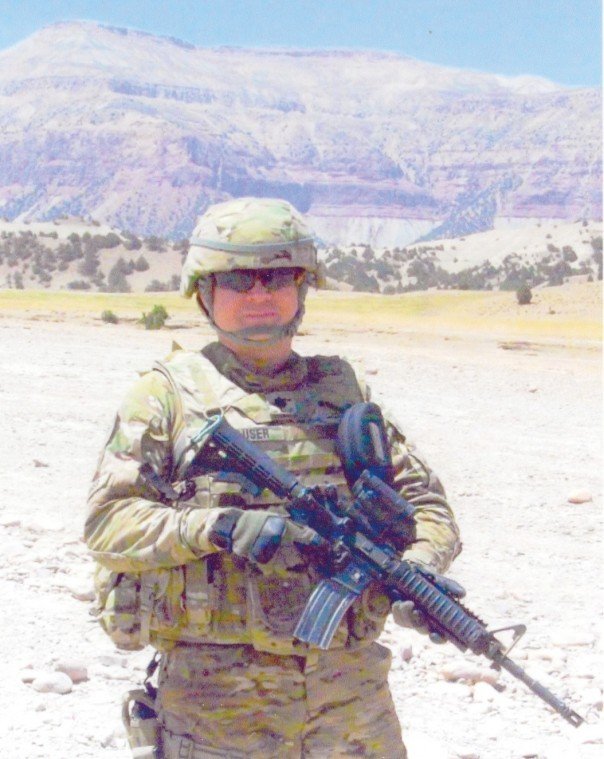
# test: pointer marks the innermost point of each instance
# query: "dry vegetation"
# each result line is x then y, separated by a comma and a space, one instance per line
568, 313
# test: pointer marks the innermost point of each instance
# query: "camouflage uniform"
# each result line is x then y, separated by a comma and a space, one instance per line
233, 681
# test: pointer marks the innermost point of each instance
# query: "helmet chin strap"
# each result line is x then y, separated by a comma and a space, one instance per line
263, 335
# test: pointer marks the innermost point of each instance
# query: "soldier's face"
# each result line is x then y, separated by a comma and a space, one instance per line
256, 307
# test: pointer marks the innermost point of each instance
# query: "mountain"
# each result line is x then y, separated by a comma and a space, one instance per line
141, 132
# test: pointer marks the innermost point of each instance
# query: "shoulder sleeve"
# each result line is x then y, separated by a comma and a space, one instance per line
126, 528
437, 535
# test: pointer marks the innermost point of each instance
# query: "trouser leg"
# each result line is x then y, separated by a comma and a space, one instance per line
350, 707
234, 699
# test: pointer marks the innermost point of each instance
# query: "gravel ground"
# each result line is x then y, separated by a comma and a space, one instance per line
514, 431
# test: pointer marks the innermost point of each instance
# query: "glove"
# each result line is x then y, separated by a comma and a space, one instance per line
254, 534
405, 614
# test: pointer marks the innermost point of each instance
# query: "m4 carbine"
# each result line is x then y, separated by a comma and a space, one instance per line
359, 536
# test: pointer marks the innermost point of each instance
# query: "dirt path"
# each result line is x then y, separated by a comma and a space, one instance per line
513, 430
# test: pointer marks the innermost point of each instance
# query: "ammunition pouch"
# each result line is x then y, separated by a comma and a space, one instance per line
131, 606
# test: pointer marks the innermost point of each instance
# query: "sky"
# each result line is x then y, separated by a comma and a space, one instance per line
557, 39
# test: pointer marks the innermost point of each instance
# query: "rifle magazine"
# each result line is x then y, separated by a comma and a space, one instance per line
323, 613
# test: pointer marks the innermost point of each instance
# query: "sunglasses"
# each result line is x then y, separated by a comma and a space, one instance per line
242, 280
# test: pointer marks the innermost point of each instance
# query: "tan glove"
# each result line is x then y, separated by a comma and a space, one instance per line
254, 534
405, 614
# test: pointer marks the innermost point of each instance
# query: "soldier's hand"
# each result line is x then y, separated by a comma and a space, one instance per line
405, 614
254, 534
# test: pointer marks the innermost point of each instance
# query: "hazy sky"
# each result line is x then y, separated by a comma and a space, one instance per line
557, 39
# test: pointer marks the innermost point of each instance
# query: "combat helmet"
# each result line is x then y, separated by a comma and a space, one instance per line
249, 233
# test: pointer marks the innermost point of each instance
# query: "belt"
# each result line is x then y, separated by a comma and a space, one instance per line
181, 747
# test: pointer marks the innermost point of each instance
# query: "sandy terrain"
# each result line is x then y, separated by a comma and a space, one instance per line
514, 433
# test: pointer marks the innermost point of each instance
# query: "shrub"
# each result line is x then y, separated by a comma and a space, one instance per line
78, 284
524, 295
182, 245
155, 243
368, 254
141, 264
569, 254
67, 252
132, 243
109, 317
98, 280
156, 318
116, 280
112, 240
88, 267
596, 244
155, 286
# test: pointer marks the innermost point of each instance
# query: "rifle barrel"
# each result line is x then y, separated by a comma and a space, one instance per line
540, 690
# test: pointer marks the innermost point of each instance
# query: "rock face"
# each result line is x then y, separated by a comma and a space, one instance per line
141, 131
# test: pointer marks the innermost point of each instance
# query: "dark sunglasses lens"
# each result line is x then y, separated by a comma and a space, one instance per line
239, 280
279, 278
242, 280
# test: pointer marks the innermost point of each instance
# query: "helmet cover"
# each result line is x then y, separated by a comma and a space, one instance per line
248, 233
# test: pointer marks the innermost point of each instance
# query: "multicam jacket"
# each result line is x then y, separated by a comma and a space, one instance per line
156, 580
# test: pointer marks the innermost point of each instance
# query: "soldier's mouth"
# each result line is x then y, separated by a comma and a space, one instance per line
261, 316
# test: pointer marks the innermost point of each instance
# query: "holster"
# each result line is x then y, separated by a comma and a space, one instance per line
141, 723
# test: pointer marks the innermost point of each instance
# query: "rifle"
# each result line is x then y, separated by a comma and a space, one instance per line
360, 536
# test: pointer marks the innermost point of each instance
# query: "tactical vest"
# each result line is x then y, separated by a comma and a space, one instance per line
222, 598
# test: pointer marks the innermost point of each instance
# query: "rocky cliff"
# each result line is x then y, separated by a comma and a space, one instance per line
142, 131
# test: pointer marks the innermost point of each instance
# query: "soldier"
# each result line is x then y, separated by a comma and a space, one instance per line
179, 572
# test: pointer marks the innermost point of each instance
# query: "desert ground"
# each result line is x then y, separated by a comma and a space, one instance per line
503, 402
